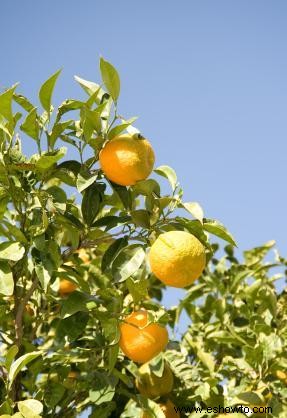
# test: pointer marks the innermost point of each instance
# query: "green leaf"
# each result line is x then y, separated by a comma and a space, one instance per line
46, 91
23, 101
195, 209
103, 388
74, 303
112, 252
48, 159
54, 393
250, 398
128, 262
92, 122
6, 103
110, 78
146, 187
84, 182
73, 326
31, 125
57, 130
91, 88
91, 204
169, 173
11, 353
120, 128
20, 363
216, 228
30, 408
138, 289
6, 279
13, 251
141, 218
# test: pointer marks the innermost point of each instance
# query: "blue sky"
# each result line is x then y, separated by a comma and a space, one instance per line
207, 78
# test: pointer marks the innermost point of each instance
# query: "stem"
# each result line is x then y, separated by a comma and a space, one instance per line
20, 312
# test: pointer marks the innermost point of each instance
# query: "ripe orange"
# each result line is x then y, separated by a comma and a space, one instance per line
177, 258
127, 159
152, 386
168, 410
66, 287
141, 342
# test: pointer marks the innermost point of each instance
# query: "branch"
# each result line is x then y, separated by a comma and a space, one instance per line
20, 311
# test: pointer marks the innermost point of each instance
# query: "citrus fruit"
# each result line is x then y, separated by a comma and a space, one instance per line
141, 342
152, 386
66, 287
177, 258
126, 159
168, 410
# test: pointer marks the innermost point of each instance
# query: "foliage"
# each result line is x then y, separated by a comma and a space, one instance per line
60, 355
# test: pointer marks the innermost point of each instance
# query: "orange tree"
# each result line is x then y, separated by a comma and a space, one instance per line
89, 245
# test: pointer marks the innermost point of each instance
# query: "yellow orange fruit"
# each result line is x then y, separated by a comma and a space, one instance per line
152, 386
141, 342
177, 258
126, 159
66, 287
168, 410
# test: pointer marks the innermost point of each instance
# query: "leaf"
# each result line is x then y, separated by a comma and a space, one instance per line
91, 204
57, 130
83, 182
6, 279
169, 173
195, 209
54, 393
91, 88
128, 262
112, 252
110, 78
250, 398
23, 101
30, 408
73, 326
216, 228
74, 303
11, 353
20, 363
120, 128
46, 91
141, 218
48, 159
31, 125
12, 250
146, 187
103, 388
6, 103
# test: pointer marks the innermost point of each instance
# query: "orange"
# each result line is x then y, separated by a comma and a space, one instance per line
141, 342
66, 287
127, 159
152, 386
168, 410
177, 258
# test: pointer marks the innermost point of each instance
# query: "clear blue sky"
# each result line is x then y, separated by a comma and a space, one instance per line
207, 78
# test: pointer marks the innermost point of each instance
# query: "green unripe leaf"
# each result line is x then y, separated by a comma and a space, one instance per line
46, 91
110, 78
